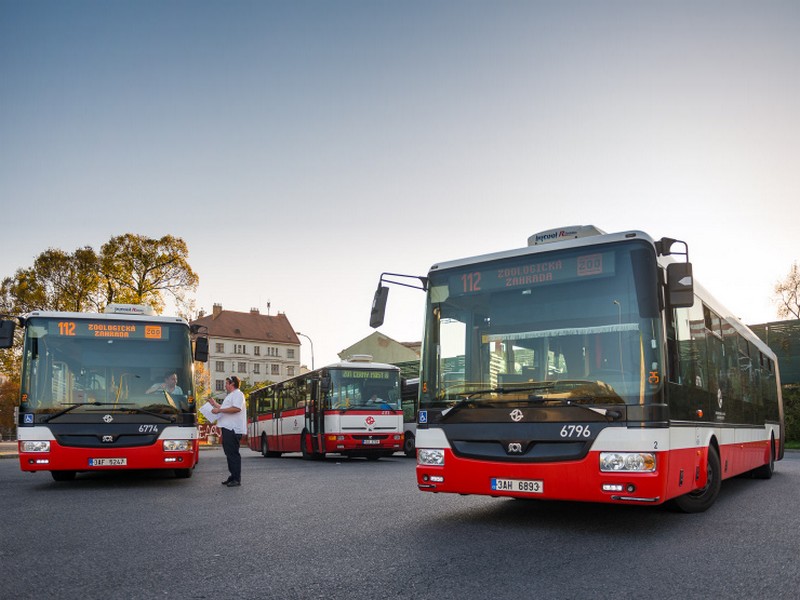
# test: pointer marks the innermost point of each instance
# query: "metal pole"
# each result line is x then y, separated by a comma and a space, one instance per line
312, 347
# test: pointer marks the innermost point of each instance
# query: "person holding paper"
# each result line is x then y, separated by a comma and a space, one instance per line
232, 422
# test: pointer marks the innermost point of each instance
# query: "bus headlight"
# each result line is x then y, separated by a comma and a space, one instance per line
627, 461
37, 446
427, 456
177, 445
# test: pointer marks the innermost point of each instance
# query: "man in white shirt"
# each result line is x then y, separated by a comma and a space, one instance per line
232, 422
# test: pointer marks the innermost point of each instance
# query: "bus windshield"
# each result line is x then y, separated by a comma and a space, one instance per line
569, 326
364, 388
84, 367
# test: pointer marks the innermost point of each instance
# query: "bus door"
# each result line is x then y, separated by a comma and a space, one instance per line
315, 415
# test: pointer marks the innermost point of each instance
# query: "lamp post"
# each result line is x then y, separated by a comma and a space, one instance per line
312, 347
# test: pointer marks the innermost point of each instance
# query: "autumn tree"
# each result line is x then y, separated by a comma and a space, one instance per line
56, 281
787, 294
139, 270
129, 268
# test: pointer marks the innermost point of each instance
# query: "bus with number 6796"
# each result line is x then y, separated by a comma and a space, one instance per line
590, 367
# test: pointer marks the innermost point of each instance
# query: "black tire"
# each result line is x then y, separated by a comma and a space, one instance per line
264, 446
265, 451
63, 475
409, 444
184, 473
307, 454
766, 471
702, 499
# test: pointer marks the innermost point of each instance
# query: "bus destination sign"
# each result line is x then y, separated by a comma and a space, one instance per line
529, 273
107, 329
366, 374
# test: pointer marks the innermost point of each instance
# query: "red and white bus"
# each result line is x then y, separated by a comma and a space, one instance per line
590, 367
106, 391
351, 408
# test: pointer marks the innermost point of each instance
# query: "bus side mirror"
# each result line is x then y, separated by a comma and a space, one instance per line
378, 307
201, 349
680, 285
7, 333
325, 384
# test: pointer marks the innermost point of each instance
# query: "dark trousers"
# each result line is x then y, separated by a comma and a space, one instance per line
230, 444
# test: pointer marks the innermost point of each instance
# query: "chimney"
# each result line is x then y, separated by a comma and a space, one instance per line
254, 311
217, 311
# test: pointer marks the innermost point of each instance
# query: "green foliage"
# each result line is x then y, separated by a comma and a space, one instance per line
791, 409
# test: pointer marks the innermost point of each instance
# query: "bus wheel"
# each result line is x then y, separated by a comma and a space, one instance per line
63, 475
304, 441
264, 446
409, 444
766, 471
702, 499
265, 451
184, 473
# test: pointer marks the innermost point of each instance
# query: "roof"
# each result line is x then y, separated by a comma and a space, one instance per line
249, 325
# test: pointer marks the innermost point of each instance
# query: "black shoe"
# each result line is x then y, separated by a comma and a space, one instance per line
227, 481
233, 483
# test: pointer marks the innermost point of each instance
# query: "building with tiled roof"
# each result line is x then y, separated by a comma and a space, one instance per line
249, 345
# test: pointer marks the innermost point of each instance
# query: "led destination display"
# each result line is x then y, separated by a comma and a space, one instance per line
107, 329
531, 272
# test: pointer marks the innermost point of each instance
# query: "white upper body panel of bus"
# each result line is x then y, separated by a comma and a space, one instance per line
106, 316
550, 246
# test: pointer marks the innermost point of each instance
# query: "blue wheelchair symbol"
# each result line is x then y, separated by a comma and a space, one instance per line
423, 416
28, 418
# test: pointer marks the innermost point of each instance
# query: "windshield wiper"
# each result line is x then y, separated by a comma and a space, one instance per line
74, 406
169, 419
125, 405
533, 398
611, 414
468, 398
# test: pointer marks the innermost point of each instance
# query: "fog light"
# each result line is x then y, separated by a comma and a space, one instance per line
612, 487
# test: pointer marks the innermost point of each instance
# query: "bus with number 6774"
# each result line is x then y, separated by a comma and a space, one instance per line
106, 391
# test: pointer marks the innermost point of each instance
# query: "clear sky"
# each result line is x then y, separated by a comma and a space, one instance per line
303, 147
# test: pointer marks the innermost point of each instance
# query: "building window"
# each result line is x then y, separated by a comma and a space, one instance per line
290, 371
219, 366
242, 367
290, 353
220, 385
256, 369
257, 350
272, 351
239, 349
220, 347
276, 369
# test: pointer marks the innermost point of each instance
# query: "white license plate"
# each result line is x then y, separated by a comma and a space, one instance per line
108, 462
372, 442
520, 486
